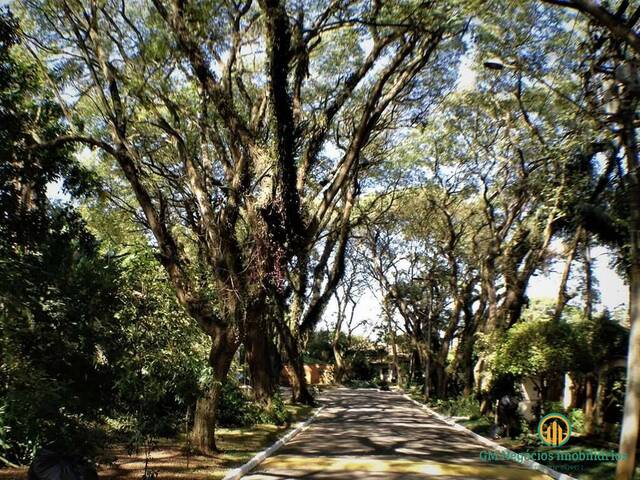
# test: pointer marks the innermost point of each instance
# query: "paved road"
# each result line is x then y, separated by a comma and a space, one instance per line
365, 434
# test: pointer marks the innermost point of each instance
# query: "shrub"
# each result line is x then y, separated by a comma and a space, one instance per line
355, 383
458, 407
577, 419
278, 413
236, 409
553, 407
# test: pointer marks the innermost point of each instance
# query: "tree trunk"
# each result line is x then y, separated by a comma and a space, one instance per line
467, 369
388, 312
588, 280
262, 356
204, 420
338, 373
426, 367
631, 414
600, 396
299, 389
563, 298
464, 352
263, 362
394, 350
223, 348
441, 380
590, 404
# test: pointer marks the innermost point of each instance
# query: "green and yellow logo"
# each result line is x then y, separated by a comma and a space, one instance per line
554, 430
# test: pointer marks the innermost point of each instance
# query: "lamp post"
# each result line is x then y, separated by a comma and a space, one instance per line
494, 63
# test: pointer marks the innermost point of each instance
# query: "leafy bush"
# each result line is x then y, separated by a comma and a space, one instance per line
236, 409
577, 419
536, 346
361, 368
278, 413
553, 407
233, 408
458, 407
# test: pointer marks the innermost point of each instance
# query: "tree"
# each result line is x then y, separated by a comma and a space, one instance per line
347, 295
536, 347
219, 128
615, 43
57, 289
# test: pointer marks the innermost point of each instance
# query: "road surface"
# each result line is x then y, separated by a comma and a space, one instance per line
366, 434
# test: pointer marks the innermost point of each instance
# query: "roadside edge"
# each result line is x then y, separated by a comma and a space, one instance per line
490, 443
258, 458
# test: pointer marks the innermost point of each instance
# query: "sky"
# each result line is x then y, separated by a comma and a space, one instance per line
612, 289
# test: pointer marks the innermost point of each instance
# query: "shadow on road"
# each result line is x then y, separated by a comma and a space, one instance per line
369, 434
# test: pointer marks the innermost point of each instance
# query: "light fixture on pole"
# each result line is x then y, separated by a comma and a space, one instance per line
494, 63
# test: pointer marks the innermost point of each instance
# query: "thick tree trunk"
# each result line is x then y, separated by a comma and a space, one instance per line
600, 397
388, 312
223, 348
594, 404
426, 366
464, 352
631, 414
299, 389
394, 350
416, 366
263, 362
441, 380
204, 420
339, 371
588, 280
467, 370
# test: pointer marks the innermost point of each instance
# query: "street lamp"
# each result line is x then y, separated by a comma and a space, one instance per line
494, 63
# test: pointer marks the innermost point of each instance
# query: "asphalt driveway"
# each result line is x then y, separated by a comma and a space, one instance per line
366, 434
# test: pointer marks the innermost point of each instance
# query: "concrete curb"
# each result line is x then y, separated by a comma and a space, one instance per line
241, 471
489, 443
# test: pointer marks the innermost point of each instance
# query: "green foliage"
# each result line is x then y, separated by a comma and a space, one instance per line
552, 407
577, 420
355, 383
56, 292
601, 339
465, 406
53, 326
237, 409
361, 368
536, 347
161, 354
319, 348
84, 334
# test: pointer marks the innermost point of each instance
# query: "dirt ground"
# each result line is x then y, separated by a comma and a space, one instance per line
170, 460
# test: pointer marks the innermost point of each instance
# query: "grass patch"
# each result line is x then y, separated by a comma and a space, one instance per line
169, 459
580, 469
479, 425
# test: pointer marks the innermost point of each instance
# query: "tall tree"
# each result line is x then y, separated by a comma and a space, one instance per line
611, 54
220, 124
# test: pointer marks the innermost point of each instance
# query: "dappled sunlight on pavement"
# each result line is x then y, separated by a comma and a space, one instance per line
393, 468
366, 434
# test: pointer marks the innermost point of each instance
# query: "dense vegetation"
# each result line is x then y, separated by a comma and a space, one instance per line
186, 187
